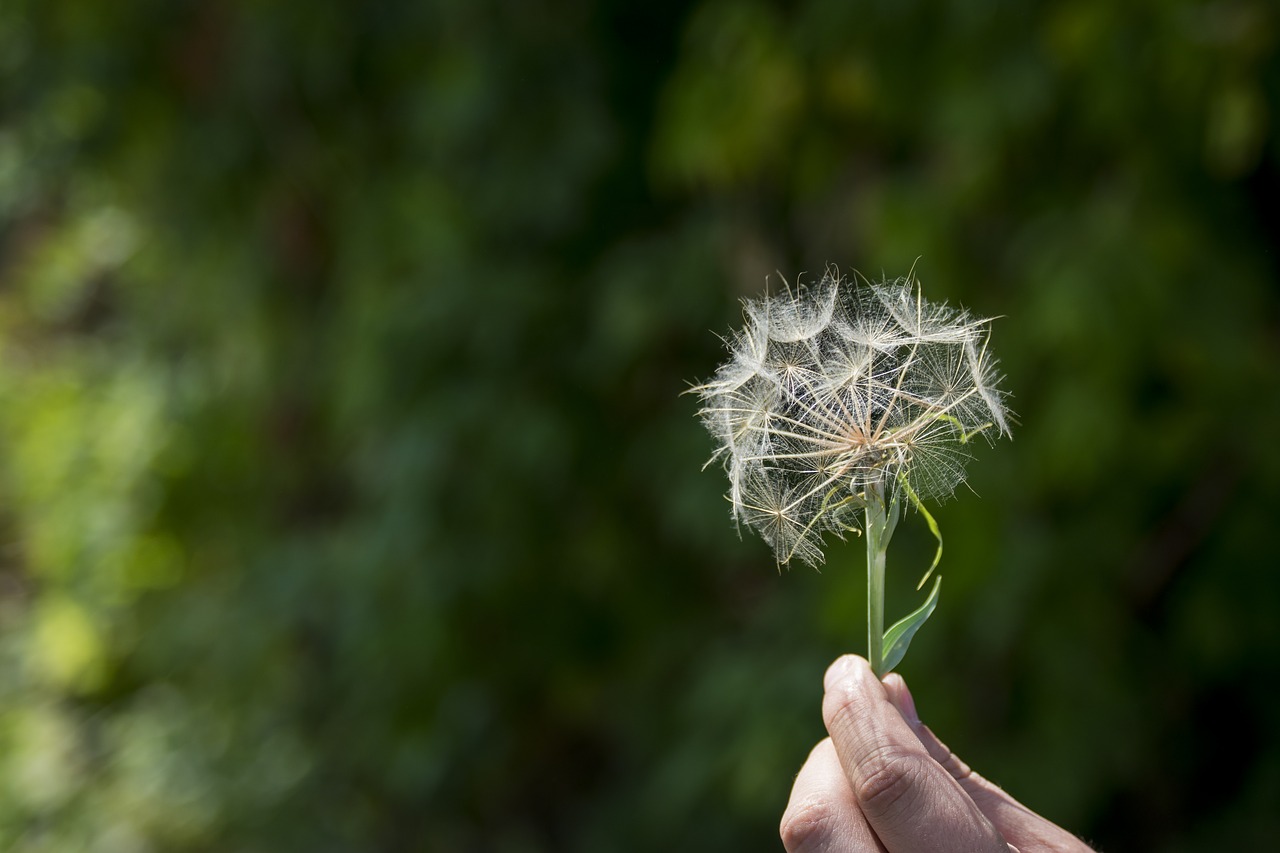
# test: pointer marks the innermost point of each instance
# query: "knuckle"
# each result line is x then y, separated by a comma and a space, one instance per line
888, 782
807, 825
949, 761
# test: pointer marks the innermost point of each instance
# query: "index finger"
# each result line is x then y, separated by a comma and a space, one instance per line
909, 800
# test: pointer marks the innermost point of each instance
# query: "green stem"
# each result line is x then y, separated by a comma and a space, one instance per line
877, 543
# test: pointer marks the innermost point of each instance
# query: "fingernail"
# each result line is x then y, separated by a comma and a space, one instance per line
844, 666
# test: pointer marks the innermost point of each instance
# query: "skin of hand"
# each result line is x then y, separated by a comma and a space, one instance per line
883, 782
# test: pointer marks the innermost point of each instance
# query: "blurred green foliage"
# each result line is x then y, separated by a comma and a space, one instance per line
347, 501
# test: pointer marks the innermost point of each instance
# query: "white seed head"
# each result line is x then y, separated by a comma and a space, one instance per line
833, 389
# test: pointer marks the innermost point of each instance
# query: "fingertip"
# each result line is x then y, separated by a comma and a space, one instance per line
845, 667
896, 686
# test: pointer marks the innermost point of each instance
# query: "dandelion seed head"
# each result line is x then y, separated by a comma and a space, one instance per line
832, 389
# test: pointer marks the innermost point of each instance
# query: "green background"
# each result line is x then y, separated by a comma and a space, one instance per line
348, 500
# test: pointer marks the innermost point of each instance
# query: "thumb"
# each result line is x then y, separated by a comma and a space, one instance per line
910, 802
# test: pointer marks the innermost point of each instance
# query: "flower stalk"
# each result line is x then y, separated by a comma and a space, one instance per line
878, 534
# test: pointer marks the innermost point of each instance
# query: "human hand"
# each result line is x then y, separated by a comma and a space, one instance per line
883, 782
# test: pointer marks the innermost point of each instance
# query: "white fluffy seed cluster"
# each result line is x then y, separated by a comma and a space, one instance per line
834, 392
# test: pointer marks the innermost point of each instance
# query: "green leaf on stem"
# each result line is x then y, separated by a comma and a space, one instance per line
897, 638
